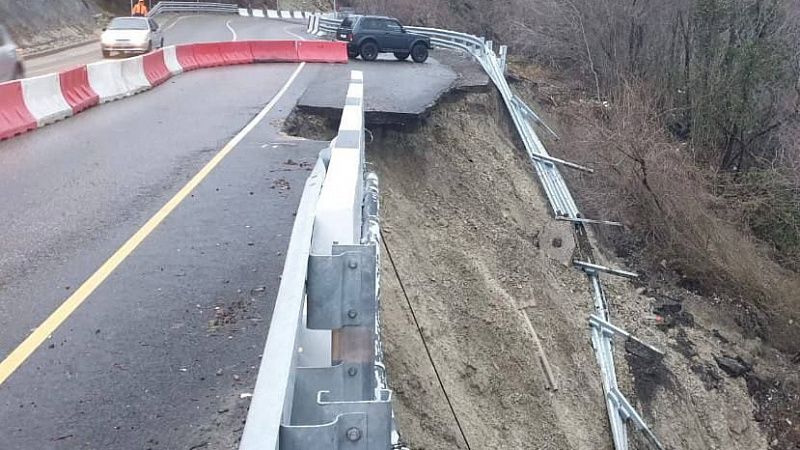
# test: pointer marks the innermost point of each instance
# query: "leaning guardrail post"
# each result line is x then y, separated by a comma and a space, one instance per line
503, 56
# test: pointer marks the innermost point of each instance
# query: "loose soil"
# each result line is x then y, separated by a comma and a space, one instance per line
475, 270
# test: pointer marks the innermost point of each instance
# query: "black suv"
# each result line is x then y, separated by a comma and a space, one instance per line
369, 35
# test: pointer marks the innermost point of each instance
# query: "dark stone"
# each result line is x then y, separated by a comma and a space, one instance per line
673, 314
708, 375
734, 367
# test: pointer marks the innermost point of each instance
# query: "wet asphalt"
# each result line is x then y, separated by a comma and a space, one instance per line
161, 353
164, 353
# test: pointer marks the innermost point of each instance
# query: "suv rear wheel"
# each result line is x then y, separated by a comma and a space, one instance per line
419, 53
402, 56
369, 51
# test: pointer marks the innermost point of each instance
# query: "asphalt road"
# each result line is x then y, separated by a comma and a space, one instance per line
164, 352
177, 30
159, 355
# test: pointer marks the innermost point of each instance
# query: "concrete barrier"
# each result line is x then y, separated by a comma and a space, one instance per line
274, 51
243, 12
186, 58
76, 89
322, 51
155, 68
171, 60
33, 102
272, 14
286, 15
134, 76
208, 54
258, 13
106, 79
236, 53
297, 15
44, 99
14, 115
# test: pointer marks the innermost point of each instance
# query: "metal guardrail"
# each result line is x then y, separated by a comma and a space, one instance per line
620, 411
169, 6
322, 383
199, 7
322, 378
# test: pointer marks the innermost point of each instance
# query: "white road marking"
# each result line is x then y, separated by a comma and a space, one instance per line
285, 30
20, 354
228, 24
168, 27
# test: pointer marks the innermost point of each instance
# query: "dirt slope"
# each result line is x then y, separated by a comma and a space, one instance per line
464, 225
474, 246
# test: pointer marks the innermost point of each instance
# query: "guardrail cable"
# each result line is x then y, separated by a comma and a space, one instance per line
424, 342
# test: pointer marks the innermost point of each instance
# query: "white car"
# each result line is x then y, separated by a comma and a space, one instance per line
11, 67
131, 35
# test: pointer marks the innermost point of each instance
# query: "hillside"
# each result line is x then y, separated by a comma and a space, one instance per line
41, 23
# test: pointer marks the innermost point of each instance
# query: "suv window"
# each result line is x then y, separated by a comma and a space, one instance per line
347, 22
393, 26
372, 24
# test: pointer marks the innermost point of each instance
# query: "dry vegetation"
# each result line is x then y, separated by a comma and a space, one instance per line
689, 111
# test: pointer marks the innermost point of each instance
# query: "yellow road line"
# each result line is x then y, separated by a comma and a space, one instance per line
12, 362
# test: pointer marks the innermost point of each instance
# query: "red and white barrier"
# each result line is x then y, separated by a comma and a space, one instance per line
77, 90
155, 68
274, 51
44, 100
106, 79
236, 53
171, 60
35, 102
186, 58
133, 73
322, 51
208, 54
14, 115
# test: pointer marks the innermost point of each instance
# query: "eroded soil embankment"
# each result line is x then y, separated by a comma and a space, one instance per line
476, 271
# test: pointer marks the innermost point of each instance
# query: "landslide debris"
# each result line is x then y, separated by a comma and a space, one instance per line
475, 271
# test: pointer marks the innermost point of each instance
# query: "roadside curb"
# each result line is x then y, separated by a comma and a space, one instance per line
53, 51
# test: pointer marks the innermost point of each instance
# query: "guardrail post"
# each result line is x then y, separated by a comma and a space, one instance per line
503, 57
343, 404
